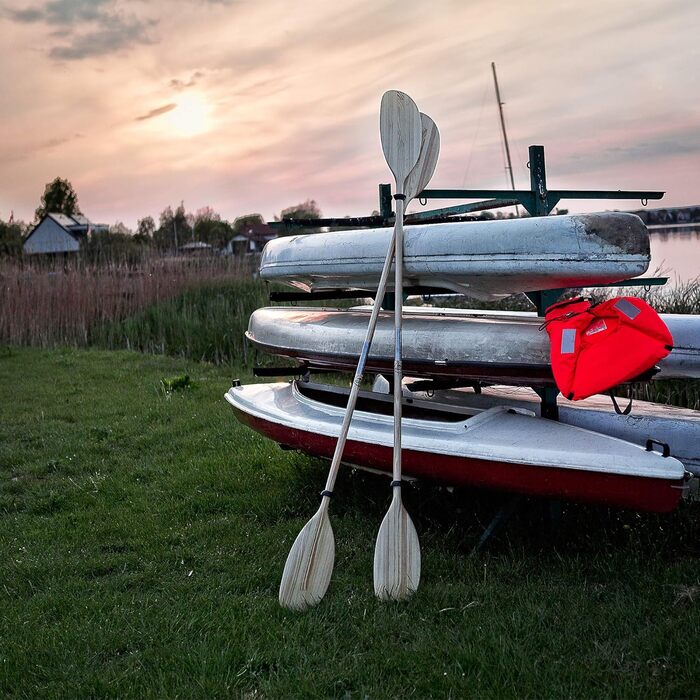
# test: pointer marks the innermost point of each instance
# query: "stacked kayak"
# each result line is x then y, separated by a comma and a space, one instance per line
439, 343
449, 436
502, 447
483, 259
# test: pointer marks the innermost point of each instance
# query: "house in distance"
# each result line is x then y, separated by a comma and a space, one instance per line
59, 233
251, 240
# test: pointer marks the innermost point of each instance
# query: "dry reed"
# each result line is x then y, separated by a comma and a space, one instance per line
59, 305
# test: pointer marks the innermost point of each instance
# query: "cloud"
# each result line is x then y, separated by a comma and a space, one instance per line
63, 12
178, 84
646, 147
27, 16
109, 30
59, 141
117, 34
19, 151
157, 112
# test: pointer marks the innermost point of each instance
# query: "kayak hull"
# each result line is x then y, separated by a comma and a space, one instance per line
292, 421
484, 259
440, 343
677, 427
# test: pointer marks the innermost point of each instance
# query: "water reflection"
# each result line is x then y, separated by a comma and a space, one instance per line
675, 252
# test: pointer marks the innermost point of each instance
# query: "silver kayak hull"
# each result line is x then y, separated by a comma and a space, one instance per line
484, 259
507, 348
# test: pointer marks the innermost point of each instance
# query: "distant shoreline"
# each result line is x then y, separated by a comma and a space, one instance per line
674, 227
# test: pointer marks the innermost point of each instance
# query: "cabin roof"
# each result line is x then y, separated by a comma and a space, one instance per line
256, 232
195, 245
75, 226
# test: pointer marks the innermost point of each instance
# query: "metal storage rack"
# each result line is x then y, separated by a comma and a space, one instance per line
538, 201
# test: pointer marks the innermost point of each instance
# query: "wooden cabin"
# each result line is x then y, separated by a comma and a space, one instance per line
251, 240
59, 233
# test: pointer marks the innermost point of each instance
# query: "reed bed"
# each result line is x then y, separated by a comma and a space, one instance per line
199, 309
66, 305
206, 323
677, 298
674, 392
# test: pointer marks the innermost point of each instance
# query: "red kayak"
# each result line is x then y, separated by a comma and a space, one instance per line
501, 448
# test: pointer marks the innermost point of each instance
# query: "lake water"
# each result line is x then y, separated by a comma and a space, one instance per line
675, 253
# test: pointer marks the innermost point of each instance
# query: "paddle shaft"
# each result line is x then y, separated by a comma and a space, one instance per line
398, 320
359, 371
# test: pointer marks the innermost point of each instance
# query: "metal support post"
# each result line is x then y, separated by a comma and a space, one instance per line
538, 181
504, 514
548, 395
385, 201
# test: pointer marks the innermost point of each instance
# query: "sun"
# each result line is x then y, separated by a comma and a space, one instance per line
191, 116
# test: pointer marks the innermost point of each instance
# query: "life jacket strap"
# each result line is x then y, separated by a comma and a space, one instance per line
621, 411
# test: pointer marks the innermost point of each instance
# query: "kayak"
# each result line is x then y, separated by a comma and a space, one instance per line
482, 259
678, 427
480, 346
503, 447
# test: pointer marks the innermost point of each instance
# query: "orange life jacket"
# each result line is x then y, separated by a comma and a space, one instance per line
594, 347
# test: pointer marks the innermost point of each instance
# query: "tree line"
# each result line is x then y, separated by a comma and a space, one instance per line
174, 227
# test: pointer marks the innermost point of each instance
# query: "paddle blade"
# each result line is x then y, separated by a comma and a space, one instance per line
307, 572
401, 132
396, 555
423, 170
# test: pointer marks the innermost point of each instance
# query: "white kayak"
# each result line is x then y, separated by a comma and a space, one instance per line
483, 259
507, 348
502, 447
675, 426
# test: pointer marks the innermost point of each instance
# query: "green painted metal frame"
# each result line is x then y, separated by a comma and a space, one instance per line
538, 201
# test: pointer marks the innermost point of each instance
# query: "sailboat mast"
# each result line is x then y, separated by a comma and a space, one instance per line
503, 124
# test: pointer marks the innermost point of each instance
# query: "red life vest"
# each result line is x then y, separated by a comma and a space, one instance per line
594, 347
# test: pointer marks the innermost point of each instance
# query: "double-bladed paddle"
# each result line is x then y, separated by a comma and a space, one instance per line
397, 551
309, 565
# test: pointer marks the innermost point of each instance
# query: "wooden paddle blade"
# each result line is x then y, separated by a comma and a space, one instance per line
423, 170
307, 572
401, 132
396, 555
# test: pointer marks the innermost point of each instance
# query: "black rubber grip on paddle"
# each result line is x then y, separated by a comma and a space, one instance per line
396, 484
326, 493
399, 196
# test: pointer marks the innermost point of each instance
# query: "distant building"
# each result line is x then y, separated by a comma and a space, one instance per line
196, 248
59, 233
250, 240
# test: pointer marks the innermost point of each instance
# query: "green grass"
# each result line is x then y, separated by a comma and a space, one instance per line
206, 323
143, 535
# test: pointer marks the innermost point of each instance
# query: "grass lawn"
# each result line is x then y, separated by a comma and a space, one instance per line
143, 535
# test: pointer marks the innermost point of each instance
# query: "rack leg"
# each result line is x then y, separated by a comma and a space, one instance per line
503, 515
548, 405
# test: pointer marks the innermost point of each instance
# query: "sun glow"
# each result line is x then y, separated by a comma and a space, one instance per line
191, 116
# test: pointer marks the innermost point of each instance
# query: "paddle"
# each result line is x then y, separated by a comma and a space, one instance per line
309, 565
397, 551
423, 170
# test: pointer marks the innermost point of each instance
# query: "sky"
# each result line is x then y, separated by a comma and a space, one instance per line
257, 106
